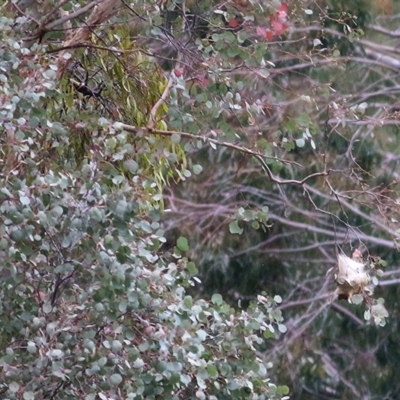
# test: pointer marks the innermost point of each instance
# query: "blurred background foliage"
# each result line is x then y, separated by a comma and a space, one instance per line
258, 138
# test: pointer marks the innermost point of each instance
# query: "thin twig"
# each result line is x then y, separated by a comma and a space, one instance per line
153, 113
47, 17
245, 150
347, 313
43, 28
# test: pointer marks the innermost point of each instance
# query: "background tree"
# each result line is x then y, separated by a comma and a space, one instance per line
263, 134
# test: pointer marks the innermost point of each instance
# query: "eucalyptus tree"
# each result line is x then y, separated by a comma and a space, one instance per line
143, 137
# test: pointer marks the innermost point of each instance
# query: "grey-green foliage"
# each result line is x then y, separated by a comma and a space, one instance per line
90, 308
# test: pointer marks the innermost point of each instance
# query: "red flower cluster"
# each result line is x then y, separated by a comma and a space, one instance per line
277, 23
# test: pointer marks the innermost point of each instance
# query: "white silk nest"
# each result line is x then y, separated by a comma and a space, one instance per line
351, 277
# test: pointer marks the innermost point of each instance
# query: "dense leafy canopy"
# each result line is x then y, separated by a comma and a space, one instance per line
157, 153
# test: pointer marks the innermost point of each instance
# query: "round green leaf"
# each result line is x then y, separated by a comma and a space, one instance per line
282, 328
217, 299
115, 379
175, 138
234, 228
182, 244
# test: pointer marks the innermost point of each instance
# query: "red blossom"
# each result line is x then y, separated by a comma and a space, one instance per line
269, 35
282, 11
278, 27
233, 23
178, 72
277, 23
261, 31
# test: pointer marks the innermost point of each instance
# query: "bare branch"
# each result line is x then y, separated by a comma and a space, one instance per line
342, 236
153, 113
103, 10
245, 150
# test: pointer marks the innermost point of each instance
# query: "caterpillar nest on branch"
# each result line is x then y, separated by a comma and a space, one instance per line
351, 277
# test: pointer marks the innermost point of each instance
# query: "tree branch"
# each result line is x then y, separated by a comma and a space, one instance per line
153, 113
245, 150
